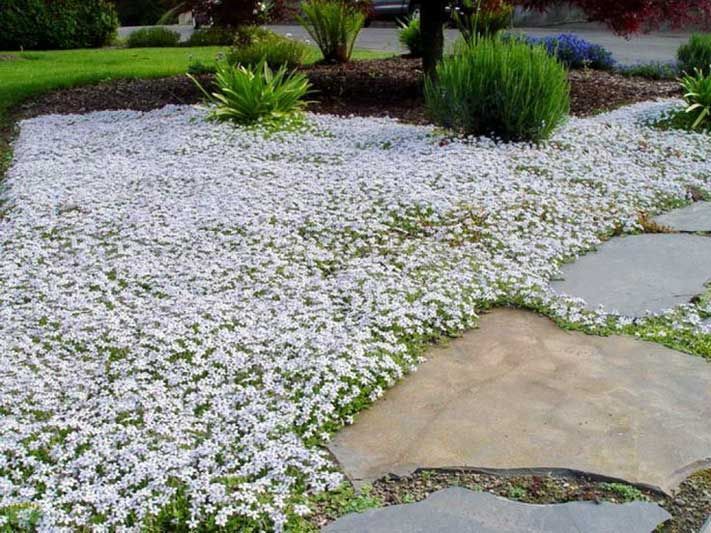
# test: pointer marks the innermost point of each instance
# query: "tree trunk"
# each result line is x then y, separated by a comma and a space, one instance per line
431, 26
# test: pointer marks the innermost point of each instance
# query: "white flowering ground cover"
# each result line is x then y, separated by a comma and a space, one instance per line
186, 308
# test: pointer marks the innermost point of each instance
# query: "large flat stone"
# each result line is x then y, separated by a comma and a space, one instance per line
639, 273
458, 510
522, 393
694, 218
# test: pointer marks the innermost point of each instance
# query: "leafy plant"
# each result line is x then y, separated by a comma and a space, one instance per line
155, 37
253, 46
214, 36
247, 95
482, 18
334, 25
697, 94
627, 493
507, 89
575, 52
655, 70
410, 36
51, 25
696, 54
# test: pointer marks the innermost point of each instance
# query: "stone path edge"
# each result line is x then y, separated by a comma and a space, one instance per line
555, 472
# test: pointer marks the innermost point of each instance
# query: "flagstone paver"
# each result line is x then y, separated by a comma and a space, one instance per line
522, 393
693, 218
459, 510
639, 273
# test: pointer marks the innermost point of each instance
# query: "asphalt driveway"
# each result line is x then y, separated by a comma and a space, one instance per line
637, 49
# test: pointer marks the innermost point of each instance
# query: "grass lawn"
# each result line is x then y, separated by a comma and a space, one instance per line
26, 74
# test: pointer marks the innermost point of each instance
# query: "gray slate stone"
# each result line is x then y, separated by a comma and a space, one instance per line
521, 393
458, 510
693, 218
639, 273
706, 528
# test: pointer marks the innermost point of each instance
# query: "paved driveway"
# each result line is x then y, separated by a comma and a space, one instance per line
637, 49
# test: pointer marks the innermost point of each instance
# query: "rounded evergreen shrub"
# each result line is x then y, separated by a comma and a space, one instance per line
696, 54
254, 44
56, 24
155, 37
213, 36
506, 89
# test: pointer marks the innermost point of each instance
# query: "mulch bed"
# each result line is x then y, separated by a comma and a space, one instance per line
382, 87
689, 506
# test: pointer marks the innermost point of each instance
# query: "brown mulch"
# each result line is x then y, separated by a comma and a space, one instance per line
689, 506
382, 87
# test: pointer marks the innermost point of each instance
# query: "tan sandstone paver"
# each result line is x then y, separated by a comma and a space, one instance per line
521, 393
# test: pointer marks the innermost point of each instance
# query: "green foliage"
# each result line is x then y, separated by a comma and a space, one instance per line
479, 18
155, 37
410, 36
507, 89
50, 25
248, 95
697, 94
696, 54
627, 493
255, 44
139, 12
214, 36
651, 71
19, 518
334, 25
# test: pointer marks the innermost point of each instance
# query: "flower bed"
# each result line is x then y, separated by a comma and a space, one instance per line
186, 309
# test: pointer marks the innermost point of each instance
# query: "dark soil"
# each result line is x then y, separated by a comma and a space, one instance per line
382, 87
689, 506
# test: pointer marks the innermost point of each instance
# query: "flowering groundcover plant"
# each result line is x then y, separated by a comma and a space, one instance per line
574, 51
187, 309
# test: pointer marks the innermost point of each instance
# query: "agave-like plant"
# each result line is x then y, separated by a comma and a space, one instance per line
334, 25
697, 93
250, 94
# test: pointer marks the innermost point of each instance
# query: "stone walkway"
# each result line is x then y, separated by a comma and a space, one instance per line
638, 273
521, 393
458, 510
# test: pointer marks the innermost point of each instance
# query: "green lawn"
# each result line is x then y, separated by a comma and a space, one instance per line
25, 74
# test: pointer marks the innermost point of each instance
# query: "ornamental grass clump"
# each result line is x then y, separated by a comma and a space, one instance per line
257, 94
334, 25
505, 89
482, 18
696, 54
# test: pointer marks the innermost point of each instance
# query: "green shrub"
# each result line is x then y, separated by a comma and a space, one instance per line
53, 25
696, 54
255, 45
155, 37
507, 89
482, 19
139, 12
334, 25
247, 95
214, 36
410, 36
651, 71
